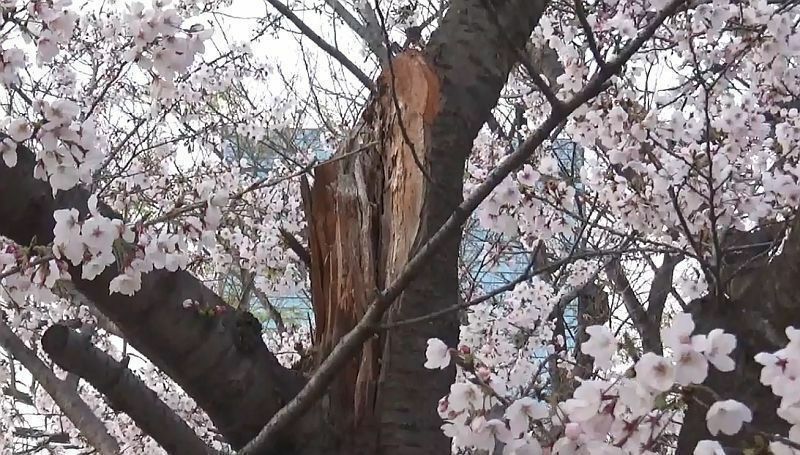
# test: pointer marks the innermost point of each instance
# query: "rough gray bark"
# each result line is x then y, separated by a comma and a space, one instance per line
471, 78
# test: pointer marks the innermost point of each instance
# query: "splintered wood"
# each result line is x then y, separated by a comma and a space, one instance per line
363, 220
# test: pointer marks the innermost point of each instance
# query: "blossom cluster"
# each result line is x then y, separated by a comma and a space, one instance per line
612, 413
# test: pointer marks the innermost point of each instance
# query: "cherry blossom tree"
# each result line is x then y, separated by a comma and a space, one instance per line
520, 227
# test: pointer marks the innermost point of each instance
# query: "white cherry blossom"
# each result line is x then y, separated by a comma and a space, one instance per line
707, 447
655, 372
727, 417
20, 130
601, 345
437, 354
717, 349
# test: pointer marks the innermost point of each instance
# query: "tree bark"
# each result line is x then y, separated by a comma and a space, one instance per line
371, 211
761, 301
647, 328
239, 389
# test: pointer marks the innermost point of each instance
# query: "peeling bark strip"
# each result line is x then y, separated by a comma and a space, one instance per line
364, 217
239, 390
126, 392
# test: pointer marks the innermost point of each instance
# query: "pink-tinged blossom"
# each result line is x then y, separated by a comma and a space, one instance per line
585, 401
691, 367
20, 130
565, 446
523, 446
126, 283
679, 332
464, 396
522, 411
782, 448
634, 398
601, 345
96, 265
572, 431
528, 176
727, 417
47, 46
11, 61
437, 354
8, 151
655, 372
98, 234
64, 176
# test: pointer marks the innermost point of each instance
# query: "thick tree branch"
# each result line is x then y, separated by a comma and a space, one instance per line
67, 399
239, 390
274, 314
580, 13
648, 332
660, 288
125, 392
352, 342
370, 36
302, 252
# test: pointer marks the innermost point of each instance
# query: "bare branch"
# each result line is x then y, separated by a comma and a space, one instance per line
274, 314
298, 248
330, 50
580, 13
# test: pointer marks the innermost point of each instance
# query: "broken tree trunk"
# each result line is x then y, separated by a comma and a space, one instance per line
364, 214
395, 182
398, 185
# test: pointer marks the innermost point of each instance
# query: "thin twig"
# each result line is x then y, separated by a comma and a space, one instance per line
580, 13
330, 50
525, 276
